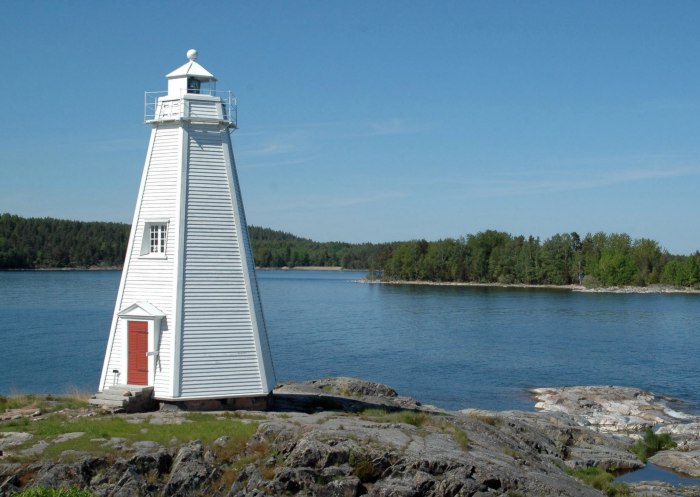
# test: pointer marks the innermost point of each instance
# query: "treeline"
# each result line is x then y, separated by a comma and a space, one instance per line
273, 248
496, 257
487, 257
27, 243
31, 243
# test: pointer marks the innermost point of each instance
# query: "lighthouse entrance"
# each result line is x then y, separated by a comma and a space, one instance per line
137, 373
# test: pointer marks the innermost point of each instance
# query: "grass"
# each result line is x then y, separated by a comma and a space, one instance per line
363, 467
461, 438
651, 443
53, 492
419, 420
490, 420
415, 418
203, 427
600, 480
44, 403
343, 391
238, 455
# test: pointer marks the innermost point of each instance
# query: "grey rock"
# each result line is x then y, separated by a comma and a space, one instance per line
343, 487
334, 454
11, 439
687, 463
308, 453
64, 437
394, 488
189, 471
35, 449
610, 409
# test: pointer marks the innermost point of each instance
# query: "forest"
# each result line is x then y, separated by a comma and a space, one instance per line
490, 256
36, 243
595, 260
273, 248
47, 243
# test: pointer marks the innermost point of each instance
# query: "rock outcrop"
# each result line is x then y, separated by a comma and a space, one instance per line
627, 412
609, 409
347, 437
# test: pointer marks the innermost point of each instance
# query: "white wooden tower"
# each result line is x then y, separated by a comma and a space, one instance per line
188, 319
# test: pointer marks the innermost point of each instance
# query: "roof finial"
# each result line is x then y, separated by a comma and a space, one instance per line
192, 54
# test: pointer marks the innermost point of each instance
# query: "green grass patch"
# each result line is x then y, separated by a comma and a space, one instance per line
600, 480
44, 403
415, 418
53, 492
461, 438
490, 420
651, 443
203, 427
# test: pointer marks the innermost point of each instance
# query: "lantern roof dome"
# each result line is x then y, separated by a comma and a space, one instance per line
191, 69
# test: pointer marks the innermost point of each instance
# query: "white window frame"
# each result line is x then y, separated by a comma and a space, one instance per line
147, 245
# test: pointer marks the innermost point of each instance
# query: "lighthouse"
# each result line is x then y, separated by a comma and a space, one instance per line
188, 321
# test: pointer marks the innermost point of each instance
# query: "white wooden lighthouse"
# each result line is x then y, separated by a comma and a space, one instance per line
188, 320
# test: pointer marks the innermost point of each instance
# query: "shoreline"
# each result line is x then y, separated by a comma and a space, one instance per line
653, 289
308, 268
366, 436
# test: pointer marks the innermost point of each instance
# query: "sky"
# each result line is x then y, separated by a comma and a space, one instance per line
373, 121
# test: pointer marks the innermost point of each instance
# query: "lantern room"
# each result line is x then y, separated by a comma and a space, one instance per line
191, 78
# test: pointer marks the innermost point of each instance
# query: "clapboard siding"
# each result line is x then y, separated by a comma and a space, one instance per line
213, 340
148, 278
208, 109
219, 356
265, 355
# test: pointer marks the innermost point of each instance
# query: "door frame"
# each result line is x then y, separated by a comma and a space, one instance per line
144, 312
129, 351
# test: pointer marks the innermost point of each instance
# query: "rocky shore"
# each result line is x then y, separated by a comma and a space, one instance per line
348, 437
571, 288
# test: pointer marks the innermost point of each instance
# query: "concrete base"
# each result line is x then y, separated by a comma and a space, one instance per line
230, 404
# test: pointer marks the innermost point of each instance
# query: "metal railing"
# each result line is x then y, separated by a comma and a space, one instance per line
159, 107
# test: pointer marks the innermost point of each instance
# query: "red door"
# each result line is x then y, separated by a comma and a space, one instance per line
138, 347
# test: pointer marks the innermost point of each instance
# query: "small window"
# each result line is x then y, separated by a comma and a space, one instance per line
155, 239
158, 235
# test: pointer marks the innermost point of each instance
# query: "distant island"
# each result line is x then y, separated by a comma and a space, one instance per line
487, 257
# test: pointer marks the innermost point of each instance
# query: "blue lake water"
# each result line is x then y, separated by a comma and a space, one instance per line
454, 347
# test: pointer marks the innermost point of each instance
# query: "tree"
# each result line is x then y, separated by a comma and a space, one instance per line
557, 256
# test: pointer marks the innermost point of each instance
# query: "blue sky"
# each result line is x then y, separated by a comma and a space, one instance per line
374, 121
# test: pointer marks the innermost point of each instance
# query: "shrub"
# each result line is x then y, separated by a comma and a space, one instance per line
651, 443
600, 480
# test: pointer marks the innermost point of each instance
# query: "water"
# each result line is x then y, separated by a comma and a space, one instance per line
454, 347
651, 472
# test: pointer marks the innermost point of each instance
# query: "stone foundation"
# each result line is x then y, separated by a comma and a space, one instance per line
261, 403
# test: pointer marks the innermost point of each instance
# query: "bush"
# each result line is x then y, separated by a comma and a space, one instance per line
600, 480
651, 443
